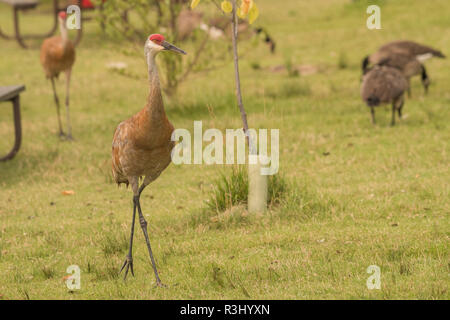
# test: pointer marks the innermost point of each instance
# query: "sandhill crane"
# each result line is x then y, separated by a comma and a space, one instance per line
58, 55
384, 84
407, 56
142, 144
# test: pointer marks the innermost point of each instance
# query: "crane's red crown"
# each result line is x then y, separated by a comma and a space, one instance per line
62, 14
157, 38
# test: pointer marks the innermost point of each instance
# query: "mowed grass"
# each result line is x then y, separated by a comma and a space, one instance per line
359, 194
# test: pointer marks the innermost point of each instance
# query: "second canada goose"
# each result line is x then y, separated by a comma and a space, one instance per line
384, 84
407, 56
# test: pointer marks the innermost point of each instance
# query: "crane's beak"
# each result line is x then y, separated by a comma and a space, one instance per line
171, 47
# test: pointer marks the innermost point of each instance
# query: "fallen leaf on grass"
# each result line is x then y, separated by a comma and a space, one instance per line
68, 192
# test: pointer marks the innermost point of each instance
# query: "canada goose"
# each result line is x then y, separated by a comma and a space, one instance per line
407, 56
218, 27
187, 22
384, 84
245, 30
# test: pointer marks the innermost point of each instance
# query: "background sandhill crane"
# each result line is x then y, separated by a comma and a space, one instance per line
58, 55
383, 84
142, 144
407, 56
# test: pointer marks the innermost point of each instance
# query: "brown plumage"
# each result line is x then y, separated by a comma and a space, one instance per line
410, 47
245, 30
407, 56
383, 84
58, 55
142, 144
187, 22
218, 26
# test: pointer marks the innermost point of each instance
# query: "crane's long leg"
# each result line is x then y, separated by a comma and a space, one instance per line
143, 223
69, 126
129, 259
61, 133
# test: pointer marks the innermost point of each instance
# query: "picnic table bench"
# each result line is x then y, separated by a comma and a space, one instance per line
11, 93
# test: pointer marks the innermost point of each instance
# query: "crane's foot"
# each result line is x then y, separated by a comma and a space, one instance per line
67, 137
159, 284
128, 263
61, 134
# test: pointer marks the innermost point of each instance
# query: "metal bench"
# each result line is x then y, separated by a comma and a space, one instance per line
11, 93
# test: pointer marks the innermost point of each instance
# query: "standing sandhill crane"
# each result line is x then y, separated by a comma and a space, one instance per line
142, 144
407, 56
58, 55
383, 84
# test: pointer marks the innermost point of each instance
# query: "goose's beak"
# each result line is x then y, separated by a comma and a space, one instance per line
171, 47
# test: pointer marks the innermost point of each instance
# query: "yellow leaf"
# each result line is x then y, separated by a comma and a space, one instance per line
245, 6
227, 7
240, 14
194, 3
253, 14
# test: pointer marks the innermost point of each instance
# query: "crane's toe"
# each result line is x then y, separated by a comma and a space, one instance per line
127, 265
159, 284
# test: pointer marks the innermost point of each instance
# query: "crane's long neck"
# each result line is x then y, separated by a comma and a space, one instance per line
63, 30
155, 106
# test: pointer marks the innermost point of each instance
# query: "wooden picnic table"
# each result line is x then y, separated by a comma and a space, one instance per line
11, 93
18, 5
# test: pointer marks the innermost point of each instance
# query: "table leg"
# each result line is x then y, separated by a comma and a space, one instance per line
17, 30
20, 38
17, 130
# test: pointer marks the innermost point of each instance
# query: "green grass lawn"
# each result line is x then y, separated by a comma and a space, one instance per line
360, 195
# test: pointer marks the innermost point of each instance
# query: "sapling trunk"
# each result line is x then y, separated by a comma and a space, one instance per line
257, 189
